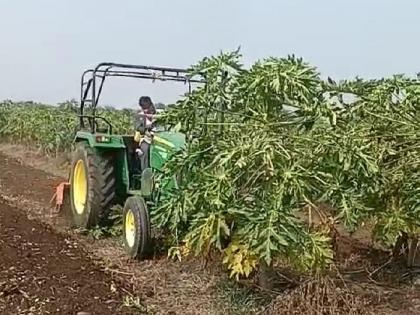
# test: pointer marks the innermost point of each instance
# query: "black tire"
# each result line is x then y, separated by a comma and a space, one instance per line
101, 186
137, 244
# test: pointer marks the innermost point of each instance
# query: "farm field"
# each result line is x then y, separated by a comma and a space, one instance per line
289, 199
38, 252
45, 273
45, 267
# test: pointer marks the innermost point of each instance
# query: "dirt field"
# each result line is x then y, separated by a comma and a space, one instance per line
47, 273
41, 259
42, 271
45, 268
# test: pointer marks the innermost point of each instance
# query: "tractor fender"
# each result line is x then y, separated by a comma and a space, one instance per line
94, 140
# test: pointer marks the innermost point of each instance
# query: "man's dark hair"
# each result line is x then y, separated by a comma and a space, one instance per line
145, 101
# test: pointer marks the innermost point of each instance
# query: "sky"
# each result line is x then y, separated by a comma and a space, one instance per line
46, 44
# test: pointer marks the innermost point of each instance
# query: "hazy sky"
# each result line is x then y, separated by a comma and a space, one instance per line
46, 44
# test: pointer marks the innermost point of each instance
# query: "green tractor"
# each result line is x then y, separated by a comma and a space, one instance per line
105, 169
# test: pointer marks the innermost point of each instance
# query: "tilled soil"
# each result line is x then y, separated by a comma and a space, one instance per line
30, 183
42, 271
155, 286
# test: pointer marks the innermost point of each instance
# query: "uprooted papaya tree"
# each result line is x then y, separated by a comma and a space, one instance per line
264, 142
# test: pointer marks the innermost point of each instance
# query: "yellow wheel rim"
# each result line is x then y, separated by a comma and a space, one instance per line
130, 228
79, 187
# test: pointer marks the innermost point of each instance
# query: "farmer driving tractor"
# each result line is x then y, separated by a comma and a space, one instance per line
143, 130
103, 171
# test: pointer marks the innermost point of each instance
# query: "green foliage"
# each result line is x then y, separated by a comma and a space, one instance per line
264, 142
50, 128
385, 120
248, 167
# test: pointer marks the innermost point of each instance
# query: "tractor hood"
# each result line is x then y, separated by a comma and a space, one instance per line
165, 143
171, 140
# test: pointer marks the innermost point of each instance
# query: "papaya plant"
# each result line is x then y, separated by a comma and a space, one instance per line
266, 141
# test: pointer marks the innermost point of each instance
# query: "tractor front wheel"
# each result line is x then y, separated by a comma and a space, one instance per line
92, 186
136, 227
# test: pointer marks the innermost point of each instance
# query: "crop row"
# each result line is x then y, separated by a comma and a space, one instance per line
50, 129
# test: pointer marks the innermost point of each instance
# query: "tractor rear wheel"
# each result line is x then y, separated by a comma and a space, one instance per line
92, 186
136, 227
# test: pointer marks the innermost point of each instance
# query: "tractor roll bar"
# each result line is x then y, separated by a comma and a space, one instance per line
93, 80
